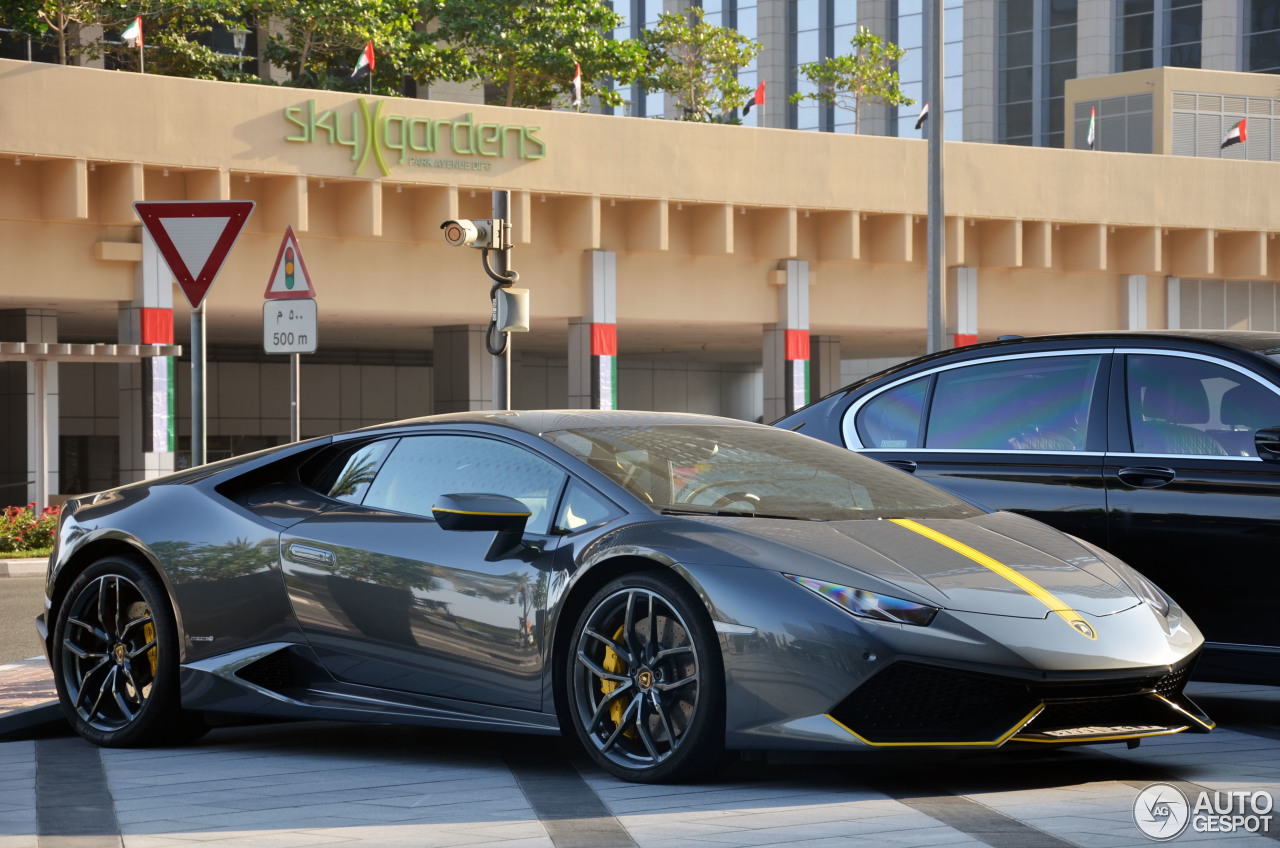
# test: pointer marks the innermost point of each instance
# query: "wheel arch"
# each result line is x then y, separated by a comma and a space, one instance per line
580, 592
101, 547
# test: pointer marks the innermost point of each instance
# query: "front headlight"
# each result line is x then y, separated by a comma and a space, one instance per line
866, 604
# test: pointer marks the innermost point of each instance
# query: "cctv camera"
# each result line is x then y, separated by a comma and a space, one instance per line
464, 233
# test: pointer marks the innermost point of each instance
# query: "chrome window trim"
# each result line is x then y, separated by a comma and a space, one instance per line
848, 424
849, 431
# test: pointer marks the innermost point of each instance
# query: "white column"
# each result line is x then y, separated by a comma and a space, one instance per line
1135, 287
786, 343
962, 306
593, 339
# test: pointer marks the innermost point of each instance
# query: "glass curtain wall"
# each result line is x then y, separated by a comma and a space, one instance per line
1262, 36
817, 30
906, 29
1037, 55
738, 15
1151, 33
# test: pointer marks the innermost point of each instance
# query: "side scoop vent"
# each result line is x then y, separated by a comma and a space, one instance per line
275, 671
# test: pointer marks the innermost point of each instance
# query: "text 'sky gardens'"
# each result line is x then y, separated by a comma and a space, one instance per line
401, 140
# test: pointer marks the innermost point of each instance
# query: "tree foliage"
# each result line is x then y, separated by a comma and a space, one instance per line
869, 74
697, 64
526, 49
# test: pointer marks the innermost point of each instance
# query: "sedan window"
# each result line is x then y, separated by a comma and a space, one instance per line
892, 419
1191, 407
1037, 403
422, 468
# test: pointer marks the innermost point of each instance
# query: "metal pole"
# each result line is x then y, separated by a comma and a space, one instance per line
936, 271
295, 381
42, 437
501, 265
197, 386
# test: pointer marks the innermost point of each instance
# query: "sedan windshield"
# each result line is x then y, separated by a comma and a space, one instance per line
748, 470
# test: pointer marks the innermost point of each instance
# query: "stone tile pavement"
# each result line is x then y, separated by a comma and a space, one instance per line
320, 784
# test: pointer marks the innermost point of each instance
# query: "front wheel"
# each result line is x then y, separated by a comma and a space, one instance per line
646, 681
115, 661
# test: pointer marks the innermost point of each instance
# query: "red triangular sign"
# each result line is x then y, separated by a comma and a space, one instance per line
194, 237
289, 278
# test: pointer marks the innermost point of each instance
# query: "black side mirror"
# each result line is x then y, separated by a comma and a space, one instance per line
1267, 443
499, 514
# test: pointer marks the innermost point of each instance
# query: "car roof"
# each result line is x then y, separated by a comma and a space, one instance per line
538, 421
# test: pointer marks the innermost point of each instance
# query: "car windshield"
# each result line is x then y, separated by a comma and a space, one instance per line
749, 470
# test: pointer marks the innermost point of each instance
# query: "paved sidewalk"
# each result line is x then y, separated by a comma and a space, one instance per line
319, 784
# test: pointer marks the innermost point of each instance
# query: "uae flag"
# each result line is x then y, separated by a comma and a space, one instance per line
924, 116
364, 65
1235, 136
757, 99
577, 85
133, 35
1092, 115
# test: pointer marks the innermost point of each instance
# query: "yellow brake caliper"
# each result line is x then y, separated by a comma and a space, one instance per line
149, 633
614, 665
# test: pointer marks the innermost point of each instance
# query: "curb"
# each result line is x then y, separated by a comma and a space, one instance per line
38, 722
23, 567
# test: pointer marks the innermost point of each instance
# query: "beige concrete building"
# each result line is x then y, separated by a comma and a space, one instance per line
718, 257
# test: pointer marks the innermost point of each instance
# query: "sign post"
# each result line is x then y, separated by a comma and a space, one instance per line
195, 237
290, 319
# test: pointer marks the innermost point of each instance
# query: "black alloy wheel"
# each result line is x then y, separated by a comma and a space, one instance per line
646, 681
115, 660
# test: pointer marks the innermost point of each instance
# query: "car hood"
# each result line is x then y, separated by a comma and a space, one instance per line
998, 563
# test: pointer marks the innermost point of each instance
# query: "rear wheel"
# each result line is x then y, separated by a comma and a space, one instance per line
115, 659
646, 681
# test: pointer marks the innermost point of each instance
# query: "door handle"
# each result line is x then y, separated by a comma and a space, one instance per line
906, 465
310, 555
1146, 478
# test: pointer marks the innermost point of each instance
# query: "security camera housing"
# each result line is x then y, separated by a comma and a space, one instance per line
481, 234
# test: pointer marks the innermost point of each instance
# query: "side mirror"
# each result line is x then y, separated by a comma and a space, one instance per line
1267, 443
499, 514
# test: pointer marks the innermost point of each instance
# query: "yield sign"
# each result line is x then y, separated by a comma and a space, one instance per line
289, 279
194, 237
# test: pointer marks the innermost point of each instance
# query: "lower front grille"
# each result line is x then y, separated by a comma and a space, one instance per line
914, 702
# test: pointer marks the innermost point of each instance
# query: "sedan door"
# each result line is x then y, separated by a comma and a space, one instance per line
388, 598
1190, 503
1023, 433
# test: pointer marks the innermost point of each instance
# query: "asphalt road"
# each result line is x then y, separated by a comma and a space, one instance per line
21, 600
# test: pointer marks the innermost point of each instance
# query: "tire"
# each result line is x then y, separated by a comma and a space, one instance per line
115, 659
647, 710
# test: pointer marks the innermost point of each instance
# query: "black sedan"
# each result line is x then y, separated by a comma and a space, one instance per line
667, 588
1161, 447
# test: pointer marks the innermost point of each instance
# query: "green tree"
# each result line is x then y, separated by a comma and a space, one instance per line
697, 64
317, 42
57, 20
869, 74
526, 49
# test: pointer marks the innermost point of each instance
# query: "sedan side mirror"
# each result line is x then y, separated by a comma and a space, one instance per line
1267, 443
484, 512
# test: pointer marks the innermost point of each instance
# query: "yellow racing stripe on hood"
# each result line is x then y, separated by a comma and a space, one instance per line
1073, 619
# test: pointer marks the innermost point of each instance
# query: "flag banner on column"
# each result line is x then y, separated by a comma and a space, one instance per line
797, 356
157, 325
604, 366
159, 400
965, 339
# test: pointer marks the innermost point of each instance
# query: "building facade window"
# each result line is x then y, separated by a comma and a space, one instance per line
906, 29
1262, 36
739, 15
1151, 33
1037, 55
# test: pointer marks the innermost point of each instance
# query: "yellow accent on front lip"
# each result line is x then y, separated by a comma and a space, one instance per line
993, 743
1023, 582
472, 512
1091, 739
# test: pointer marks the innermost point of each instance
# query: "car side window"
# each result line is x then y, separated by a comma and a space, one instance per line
422, 468
359, 470
582, 508
1191, 407
1037, 403
892, 419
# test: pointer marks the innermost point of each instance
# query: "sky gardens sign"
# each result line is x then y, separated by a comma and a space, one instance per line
422, 142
